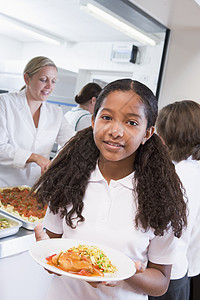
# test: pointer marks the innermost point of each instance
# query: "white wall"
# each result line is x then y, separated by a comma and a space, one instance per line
10, 48
97, 56
89, 56
182, 67
181, 79
10, 66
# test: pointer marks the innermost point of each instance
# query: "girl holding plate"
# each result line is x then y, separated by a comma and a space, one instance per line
114, 184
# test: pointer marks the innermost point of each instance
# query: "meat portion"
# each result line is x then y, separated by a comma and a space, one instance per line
73, 262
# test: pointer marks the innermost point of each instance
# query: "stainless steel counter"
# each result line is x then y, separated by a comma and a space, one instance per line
16, 243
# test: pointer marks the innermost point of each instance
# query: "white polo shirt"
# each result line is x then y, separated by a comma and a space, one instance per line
189, 251
109, 212
78, 118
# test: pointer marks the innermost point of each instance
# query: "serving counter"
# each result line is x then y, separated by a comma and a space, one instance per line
16, 243
20, 276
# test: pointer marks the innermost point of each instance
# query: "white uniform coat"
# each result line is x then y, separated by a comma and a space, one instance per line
19, 137
109, 212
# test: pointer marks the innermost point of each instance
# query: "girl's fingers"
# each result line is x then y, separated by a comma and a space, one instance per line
39, 233
139, 267
110, 283
107, 283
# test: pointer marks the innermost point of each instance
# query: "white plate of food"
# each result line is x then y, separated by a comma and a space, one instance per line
82, 260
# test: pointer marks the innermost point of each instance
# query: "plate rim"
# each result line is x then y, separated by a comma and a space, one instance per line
79, 277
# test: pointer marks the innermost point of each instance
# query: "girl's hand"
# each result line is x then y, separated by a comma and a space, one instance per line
106, 283
140, 268
39, 233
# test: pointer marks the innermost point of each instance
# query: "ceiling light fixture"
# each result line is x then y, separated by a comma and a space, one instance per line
31, 31
198, 2
117, 24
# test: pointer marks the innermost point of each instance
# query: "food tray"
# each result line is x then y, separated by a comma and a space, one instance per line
12, 230
26, 224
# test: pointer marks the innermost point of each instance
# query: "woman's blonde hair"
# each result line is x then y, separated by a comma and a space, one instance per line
36, 64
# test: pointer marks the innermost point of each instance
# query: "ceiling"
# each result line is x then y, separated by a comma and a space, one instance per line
174, 14
64, 19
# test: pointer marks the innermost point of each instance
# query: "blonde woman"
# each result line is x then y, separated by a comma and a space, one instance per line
29, 126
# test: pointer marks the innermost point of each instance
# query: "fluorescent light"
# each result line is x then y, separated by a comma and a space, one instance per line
29, 30
198, 2
117, 24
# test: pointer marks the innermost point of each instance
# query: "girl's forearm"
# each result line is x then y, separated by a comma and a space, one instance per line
53, 235
153, 281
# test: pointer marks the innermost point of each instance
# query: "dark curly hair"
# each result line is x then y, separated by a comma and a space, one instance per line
158, 189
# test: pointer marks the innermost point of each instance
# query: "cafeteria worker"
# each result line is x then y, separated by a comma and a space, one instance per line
29, 126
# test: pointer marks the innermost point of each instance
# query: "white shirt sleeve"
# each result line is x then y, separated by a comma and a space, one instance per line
53, 222
10, 155
65, 133
163, 249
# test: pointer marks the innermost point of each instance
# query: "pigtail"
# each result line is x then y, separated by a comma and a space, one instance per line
159, 190
63, 185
